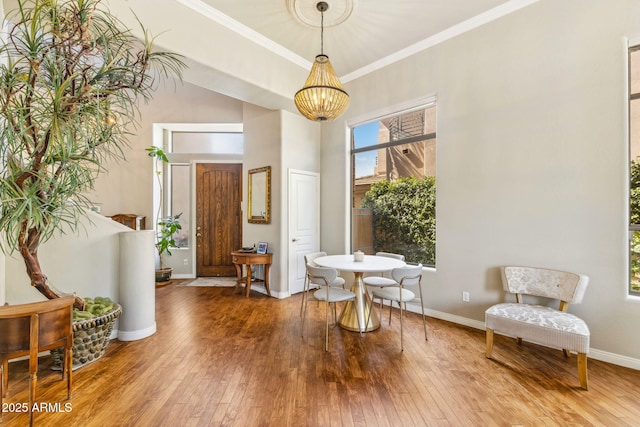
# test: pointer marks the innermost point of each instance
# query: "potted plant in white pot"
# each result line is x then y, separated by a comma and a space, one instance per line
69, 90
167, 226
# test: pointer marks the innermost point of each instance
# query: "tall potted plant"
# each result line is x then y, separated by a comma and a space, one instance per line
68, 101
166, 226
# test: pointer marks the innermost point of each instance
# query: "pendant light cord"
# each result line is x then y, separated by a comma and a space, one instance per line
322, 33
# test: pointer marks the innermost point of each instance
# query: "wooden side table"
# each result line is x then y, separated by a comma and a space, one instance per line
249, 259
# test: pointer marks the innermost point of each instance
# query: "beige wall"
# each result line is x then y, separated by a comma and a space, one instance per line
283, 141
71, 261
532, 154
83, 262
127, 186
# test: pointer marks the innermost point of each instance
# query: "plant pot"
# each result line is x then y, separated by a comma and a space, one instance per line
163, 274
90, 339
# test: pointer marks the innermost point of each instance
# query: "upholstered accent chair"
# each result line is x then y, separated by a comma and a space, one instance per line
541, 324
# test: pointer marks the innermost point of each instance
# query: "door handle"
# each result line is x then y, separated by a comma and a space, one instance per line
294, 240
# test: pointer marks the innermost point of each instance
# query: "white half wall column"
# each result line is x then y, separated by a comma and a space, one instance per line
137, 285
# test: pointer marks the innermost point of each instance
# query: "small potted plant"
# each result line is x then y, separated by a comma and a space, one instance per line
167, 227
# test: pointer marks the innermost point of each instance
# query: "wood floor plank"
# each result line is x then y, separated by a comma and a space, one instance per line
220, 359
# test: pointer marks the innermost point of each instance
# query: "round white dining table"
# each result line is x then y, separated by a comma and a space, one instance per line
354, 315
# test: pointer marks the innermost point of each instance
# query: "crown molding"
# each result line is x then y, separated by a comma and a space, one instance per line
454, 31
441, 37
216, 16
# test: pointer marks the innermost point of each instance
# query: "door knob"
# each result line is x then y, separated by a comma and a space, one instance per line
198, 234
294, 240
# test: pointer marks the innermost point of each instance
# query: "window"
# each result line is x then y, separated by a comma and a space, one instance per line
179, 201
207, 142
634, 170
394, 185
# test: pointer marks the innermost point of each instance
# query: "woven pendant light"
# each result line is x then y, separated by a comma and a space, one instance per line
322, 97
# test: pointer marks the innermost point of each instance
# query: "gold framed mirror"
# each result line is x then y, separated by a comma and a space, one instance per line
259, 209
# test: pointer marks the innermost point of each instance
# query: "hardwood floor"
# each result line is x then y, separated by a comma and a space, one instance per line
220, 359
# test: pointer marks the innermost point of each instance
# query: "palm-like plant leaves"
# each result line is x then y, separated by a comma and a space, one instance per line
68, 101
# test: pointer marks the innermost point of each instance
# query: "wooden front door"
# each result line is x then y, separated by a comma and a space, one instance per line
218, 217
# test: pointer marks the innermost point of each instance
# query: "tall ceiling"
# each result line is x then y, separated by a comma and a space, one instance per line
360, 35
260, 51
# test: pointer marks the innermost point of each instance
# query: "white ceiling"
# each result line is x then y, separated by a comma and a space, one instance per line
260, 51
375, 33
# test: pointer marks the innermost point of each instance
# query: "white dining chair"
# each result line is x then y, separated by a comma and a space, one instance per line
406, 280
309, 259
323, 278
383, 279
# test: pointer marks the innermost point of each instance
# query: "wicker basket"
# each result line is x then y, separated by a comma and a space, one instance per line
90, 339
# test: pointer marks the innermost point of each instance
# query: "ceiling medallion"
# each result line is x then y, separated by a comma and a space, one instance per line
306, 12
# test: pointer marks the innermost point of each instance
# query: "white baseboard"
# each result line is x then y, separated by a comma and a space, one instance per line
448, 317
259, 287
137, 335
614, 359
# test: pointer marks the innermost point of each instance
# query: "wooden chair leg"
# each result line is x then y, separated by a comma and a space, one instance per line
33, 362
32, 395
1, 387
69, 370
582, 370
489, 349
5, 376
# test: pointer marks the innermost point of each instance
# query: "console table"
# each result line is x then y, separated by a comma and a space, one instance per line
249, 259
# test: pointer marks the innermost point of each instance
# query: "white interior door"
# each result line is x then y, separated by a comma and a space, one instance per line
304, 224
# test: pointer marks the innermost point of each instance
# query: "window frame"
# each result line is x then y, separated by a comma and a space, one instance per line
424, 104
632, 46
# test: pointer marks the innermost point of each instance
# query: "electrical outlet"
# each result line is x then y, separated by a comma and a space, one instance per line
186, 261
465, 296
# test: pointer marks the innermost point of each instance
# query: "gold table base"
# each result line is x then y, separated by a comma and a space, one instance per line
355, 313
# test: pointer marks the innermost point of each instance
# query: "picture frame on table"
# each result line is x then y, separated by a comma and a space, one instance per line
262, 248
